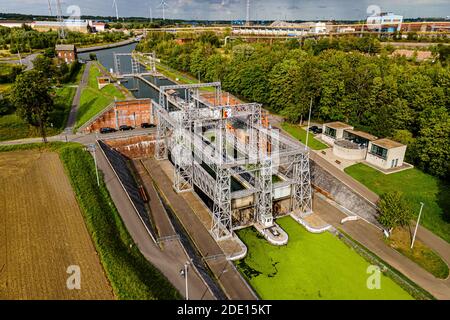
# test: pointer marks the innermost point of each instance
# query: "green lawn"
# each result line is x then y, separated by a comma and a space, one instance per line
300, 134
417, 187
93, 100
311, 266
13, 127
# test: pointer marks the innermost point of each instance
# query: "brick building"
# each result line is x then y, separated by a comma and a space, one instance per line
66, 52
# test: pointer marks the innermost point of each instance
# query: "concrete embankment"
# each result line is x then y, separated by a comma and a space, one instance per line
107, 46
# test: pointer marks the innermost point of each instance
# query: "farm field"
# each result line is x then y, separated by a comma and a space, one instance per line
309, 267
42, 232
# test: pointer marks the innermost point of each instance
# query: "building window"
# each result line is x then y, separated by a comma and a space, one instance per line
378, 151
330, 132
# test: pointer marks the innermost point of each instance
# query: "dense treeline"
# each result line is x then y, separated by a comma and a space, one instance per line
350, 79
26, 39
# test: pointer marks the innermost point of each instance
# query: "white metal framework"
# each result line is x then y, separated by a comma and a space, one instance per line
138, 61
212, 144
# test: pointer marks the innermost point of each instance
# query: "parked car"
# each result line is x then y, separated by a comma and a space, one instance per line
315, 129
125, 128
147, 125
107, 130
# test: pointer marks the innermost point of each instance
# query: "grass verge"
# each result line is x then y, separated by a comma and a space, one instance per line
13, 127
93, 100
130, 274
417, 187
300, 134
400, 240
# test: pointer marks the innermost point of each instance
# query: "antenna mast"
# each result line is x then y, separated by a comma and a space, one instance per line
248, 13
163, 5
50, 8
60, 19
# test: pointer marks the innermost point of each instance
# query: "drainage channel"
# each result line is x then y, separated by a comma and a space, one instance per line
192, 251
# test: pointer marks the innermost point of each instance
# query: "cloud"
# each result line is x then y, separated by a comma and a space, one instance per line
236, 9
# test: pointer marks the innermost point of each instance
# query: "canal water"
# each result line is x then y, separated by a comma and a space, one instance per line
137, 87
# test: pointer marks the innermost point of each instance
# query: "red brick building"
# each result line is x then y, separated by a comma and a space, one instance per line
66, 52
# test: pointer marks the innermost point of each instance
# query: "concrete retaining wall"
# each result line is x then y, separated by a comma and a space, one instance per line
342, 194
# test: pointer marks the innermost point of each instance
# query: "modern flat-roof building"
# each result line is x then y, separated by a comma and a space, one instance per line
334, 131
386, 154
66, 52
350, 144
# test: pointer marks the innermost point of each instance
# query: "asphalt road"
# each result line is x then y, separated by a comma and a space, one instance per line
76, 100
171, 258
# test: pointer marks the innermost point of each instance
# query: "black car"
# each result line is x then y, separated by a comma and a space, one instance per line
107, 130
125, 128
315, 129
147, 125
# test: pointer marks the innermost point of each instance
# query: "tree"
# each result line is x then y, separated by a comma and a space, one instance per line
394, 210
45, 66
31, 96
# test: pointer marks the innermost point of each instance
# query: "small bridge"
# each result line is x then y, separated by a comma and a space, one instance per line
139, 64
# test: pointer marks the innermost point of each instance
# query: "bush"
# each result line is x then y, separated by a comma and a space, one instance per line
394, 210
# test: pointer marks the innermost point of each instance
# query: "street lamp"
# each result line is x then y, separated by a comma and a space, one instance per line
92, 148
184, 273
417, 225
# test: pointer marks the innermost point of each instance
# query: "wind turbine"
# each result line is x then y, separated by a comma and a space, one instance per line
117, 10
163, 5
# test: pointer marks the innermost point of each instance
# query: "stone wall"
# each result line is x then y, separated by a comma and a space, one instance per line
333, 188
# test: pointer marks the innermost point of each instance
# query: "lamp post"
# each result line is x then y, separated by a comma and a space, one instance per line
417, 225
92, 148
309, 123
184, 273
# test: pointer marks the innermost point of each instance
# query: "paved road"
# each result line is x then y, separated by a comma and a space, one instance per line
231, 281
413, 44
27, 61
76, 100
372, 238
170, 260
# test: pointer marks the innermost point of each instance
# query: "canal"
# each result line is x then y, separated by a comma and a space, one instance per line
137, 87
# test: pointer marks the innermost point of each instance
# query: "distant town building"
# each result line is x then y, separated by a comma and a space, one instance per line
68, 24
346, 29
66, 52
385, 22
410, 54
14, 24
98, 26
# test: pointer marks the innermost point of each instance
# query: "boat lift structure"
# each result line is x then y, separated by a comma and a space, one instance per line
210, 143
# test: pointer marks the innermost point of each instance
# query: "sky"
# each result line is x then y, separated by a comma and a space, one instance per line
236, 9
